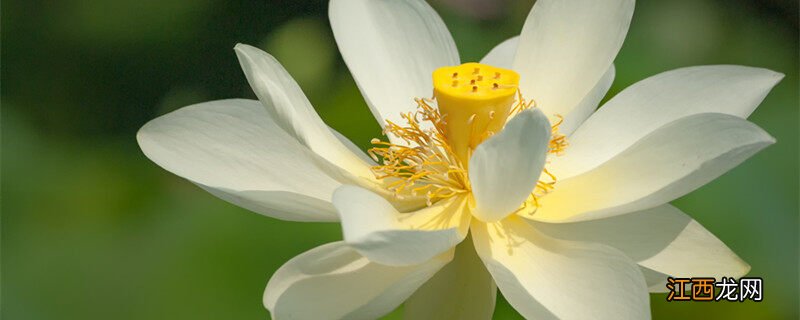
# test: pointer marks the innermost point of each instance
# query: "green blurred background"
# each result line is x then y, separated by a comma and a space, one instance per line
91, 229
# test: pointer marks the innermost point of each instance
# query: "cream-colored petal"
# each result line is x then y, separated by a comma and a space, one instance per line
502, 55
373, 227
237, 151
463, 290
290, 109
353, 147
656, 281
670, 162
588, 105
651, 103
504, 169
546, 278
333, 281
565, 48
663, 240
391, 48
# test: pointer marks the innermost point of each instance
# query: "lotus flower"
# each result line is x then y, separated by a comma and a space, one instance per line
509, 177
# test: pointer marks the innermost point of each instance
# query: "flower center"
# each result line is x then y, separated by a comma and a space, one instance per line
431, 153
475, 100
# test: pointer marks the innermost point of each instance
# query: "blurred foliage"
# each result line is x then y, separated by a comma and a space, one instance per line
91, 229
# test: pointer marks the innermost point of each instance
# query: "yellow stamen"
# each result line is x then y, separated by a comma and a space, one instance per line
425, 165
473, 109
432, 163
558, 141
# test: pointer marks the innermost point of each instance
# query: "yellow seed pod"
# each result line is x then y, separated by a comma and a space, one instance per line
474, 100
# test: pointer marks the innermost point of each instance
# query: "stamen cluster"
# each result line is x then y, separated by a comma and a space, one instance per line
425, 165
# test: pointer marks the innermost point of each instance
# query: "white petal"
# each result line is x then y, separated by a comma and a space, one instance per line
666, 164
335, 282
656, 281
373, 227
546, 278
290, 108
658, 100
353, 147
391, 48
502, 55
235, 150
588, 105
662, 239
463, 289
504, 169
566, 47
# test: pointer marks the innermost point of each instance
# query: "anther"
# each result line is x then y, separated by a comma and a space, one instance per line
472, 82
495, 85
474, 88
497, 75
480, 78
455, 83
476, 71
471, 119
455, 74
